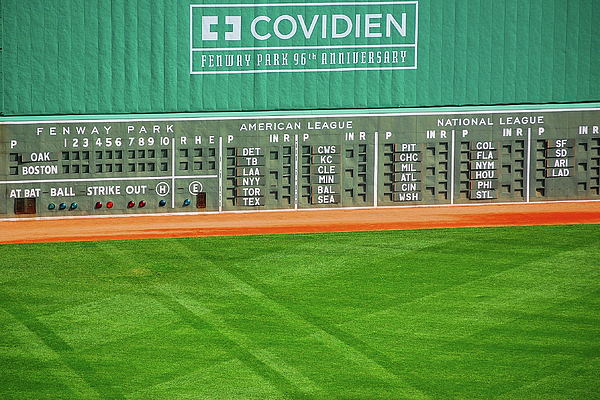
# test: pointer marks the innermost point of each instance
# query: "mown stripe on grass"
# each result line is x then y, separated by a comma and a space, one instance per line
227, 380
74, 369
21, 346
335, 343
449, 332
466, 313
298, 385
496, 299
240, 347
579, 381
295, 322
111, 319
373, 364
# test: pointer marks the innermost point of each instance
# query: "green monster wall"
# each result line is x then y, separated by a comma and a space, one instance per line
108, 57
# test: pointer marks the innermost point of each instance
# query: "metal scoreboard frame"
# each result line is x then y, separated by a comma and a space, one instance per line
208, 163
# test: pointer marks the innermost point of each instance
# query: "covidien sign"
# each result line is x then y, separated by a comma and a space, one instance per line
262, 38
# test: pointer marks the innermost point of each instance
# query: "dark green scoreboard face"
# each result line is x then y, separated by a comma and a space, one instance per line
255, 162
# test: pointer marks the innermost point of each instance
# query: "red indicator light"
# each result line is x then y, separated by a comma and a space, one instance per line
109, 204
142, 203
131, 204
99, 204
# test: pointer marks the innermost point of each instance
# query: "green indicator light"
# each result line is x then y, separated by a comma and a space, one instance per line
51, 206
187, 202
62, 206
73, 206
162, 203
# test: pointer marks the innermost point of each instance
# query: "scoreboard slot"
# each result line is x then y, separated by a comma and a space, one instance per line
25, 206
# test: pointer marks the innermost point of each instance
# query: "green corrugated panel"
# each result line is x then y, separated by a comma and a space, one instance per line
64, 97
103, 56
105, 60
76, 56
117, 56
1, 57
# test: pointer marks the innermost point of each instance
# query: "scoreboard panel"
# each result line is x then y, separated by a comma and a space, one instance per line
220, 163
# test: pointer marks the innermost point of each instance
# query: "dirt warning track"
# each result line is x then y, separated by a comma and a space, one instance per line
273, 222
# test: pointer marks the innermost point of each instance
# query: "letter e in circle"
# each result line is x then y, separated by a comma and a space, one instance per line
195, 187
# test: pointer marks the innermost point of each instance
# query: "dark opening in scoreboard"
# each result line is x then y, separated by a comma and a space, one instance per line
257, 162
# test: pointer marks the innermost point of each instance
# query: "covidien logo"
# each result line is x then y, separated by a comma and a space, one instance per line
262, 38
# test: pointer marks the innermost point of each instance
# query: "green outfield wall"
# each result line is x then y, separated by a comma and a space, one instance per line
151, 107
190, 163
149, 56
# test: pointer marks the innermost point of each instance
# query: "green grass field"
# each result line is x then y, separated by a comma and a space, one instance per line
490, 313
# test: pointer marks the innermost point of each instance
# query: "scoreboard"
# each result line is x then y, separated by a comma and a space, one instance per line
66, 166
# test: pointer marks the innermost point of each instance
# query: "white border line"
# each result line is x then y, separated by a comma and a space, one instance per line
297, 175
173, 175
416, 32
220, 173
191, 41
298, 116
137, 178
374, 46
257, 71
376, 170
303, 4
452, 170
528, 180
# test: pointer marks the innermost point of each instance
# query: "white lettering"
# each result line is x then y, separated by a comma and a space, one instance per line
207, 23
255, 21
278, 32
334, 25
370, 25
40, 170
